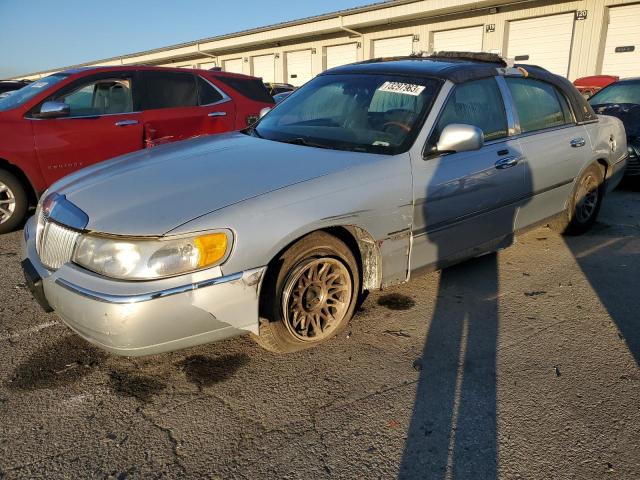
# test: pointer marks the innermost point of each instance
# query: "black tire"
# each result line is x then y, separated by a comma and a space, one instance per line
11, 189
584, 205
328, 303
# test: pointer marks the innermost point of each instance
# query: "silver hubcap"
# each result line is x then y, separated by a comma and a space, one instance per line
587, 199
316, 298
7, 203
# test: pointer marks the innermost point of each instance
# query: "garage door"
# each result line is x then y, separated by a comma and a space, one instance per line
264, 67
341, 55
622, 47
234, 65
298, 67
544, 41
393, 47
207, 65
459, 40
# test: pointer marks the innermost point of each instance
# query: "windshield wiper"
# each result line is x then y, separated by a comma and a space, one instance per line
305, 142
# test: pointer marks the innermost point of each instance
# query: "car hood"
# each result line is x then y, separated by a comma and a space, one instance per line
629, 113
151, 192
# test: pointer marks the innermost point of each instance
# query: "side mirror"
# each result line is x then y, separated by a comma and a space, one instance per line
459, 137
264, 111
54, 110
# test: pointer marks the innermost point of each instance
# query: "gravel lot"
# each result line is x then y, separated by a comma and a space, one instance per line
520, 365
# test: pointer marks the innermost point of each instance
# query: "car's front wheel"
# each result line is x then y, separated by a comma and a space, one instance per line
309, 294
584, 205
13, 202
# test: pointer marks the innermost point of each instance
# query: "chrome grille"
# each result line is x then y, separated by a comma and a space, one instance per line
54, 243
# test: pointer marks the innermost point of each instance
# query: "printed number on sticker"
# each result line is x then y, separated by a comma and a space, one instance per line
404, 88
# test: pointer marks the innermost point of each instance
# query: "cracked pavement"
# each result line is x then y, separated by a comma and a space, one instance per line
520, 365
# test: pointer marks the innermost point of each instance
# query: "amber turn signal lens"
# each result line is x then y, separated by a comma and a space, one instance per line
212, 248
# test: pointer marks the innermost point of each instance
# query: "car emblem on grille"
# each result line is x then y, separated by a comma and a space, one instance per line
56, 207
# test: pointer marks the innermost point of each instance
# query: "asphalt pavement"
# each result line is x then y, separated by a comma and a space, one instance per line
523, 364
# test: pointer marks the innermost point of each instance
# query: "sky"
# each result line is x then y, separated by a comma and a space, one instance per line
43, 34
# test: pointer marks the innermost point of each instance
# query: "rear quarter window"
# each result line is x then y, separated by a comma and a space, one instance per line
251, 88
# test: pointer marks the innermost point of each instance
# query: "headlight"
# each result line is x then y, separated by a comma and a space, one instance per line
152, 259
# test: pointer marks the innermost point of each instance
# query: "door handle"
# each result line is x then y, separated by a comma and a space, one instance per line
577, 142
217, 114
124, 123
507, 162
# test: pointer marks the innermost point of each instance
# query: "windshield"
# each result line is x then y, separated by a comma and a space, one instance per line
18, 97
622, 92
366, 113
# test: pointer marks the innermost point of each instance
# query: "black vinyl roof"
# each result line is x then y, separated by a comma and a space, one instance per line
459, 70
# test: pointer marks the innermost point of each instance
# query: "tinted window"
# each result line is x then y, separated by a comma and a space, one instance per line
251, 88
537, 103
99, 97
206, 93
170, 90
478, 103
622, 92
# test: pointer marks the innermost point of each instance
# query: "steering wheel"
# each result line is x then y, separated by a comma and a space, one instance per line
401, 125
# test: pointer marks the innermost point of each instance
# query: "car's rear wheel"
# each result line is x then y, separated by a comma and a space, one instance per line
584, 204
309, 295
13, 202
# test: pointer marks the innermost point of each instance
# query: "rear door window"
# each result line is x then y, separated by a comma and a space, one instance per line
539, 104
478, 103
169, 90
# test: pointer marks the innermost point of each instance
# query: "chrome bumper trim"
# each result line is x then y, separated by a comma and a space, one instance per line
145, 297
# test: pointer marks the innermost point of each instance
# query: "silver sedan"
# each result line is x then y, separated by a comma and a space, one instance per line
365, 176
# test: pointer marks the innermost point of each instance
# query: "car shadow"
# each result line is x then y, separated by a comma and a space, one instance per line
609, 257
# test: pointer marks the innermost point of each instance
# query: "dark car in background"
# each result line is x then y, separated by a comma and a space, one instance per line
277, 88
622, 100
7, 86
72, 119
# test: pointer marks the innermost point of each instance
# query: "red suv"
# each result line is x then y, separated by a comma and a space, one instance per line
72, 119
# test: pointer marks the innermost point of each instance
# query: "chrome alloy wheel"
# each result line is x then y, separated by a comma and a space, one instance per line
7, 203
316, 298
587, 199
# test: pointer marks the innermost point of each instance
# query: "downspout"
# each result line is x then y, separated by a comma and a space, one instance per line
347, 29
205, 53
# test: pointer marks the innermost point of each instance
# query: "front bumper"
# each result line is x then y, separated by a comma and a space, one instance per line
145, 318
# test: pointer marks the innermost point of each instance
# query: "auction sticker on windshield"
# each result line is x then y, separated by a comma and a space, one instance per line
404, 88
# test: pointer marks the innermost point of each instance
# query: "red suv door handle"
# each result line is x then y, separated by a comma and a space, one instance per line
218, 114
124, 123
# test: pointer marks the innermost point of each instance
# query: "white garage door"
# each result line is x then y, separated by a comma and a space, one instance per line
207, 65
341, 55
264, 67
459, 40
393, 47
299, 67
234, 65
544, 41
623, 35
